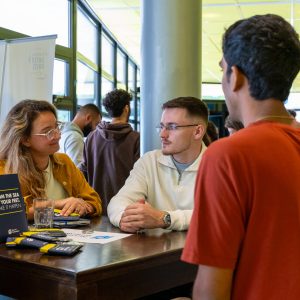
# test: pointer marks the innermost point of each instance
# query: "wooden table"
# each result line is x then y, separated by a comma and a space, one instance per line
133, 267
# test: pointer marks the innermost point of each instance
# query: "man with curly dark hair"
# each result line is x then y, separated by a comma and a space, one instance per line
112, 149
244, 233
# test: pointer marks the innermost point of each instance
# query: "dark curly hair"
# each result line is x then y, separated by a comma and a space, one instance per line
266, 49
115, 101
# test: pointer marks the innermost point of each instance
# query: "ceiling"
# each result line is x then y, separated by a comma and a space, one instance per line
123, 19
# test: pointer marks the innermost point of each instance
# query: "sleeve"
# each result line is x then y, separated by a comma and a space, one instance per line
180, 219
74, 148
218, 222
81, 189
134, 189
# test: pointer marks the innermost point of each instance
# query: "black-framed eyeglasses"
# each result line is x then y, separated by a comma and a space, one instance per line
50, 135
172, 126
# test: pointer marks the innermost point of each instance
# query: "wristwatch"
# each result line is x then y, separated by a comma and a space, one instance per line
167, 219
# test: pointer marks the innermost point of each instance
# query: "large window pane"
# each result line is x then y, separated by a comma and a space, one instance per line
63, 115
86, 36
107, 86
132, 109
131, 76
131, 88
60, 78
121, 67
37, 18
86, 84
107, 55
211, 91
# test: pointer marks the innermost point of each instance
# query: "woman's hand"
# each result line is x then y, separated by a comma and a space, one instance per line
73, 205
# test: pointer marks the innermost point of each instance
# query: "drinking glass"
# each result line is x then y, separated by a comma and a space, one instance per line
43, 212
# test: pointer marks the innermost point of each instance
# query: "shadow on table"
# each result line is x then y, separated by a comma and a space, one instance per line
180, 291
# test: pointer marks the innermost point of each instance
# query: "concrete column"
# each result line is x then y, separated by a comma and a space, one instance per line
170, 59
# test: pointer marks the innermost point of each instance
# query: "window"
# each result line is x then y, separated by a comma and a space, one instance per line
60, 78
211, 91
37, 18
86, 84
86, 37
63, 115
107, 54
131, 76
121, 67
92, 80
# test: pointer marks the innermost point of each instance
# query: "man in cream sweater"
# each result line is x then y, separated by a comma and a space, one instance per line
159, 192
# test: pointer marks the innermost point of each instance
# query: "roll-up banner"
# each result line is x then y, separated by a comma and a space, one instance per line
26, 71
2, 64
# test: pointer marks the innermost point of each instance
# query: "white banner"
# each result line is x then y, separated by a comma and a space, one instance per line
28, 71
2, 61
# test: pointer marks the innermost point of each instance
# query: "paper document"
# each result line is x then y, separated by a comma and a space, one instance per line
95, 237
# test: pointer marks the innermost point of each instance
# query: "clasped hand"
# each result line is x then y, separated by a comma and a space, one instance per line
141, 215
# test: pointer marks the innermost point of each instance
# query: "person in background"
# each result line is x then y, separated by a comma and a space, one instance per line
244, 233
212, 133
159, 190
73, 133
29, 142
232, 126
112, 149
292, 112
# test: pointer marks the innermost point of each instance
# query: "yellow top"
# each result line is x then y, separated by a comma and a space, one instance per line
72, 180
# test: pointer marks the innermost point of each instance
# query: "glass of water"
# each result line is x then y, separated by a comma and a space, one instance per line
43, 212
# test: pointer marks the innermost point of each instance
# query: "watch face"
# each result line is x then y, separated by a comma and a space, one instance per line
167, 219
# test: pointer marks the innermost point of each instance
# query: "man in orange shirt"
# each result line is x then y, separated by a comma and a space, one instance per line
244, 233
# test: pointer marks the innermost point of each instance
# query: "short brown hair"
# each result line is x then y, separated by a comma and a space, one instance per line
194, 106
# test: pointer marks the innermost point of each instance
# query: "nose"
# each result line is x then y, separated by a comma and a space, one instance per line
163, 132
56, 134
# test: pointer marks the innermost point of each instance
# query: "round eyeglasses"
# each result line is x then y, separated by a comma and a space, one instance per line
50, 135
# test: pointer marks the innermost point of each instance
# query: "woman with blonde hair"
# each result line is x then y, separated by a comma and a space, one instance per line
29, 139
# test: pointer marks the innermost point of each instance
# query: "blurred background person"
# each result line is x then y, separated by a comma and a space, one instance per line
112, 149
212, 133
73, 133
292, 113
232, 126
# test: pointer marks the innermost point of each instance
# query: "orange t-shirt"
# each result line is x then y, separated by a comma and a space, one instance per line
247, 211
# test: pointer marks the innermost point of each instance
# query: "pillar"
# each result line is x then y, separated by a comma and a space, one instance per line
170, 59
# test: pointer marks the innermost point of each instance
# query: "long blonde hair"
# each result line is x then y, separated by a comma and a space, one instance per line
16, 129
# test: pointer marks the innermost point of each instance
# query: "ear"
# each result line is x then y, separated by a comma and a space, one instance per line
25, 142
199, 131
126, 108
88, 118
236, 79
